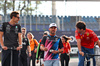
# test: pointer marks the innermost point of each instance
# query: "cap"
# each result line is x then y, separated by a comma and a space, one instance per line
52, 25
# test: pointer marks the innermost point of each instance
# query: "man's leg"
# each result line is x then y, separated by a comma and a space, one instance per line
20, 61
91, 51
55, 62
25, 60
15, 57
5, 58
48, 63
81, 60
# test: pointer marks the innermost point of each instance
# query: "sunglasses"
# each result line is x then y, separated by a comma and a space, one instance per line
17, 17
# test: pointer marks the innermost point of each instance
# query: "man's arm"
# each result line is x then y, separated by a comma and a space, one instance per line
1, 41
29, 50
79, 47
20, 41
43, 48
98, 42
57, 51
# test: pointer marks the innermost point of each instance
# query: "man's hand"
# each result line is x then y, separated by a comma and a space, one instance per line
29, 54
4, 47
54, 51
35, 50
37, 61
45, 49
18, 48
81, 53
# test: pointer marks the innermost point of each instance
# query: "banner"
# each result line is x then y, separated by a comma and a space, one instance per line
38, 35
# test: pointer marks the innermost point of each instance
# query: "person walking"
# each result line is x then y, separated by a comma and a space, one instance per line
25, 49
50, 45
12, 40
65, 55
33, 44
40, 53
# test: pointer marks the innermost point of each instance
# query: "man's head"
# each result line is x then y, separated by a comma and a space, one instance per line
80, 26
15, 16
53, 28
45, 33
23, 31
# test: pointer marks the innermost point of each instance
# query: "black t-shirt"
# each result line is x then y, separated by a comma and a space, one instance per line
25, 43
52, 43
10, 34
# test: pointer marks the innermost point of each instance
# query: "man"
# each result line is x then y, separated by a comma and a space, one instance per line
85, 42
25, 46
12, 39
50, 45
39, 52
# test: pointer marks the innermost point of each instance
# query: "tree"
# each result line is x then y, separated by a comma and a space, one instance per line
4, 6
28, 10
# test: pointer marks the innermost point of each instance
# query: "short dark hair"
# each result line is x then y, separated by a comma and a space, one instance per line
81, 25
45, 34
14, 13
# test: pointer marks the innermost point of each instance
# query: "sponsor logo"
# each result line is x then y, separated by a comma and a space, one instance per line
8, 29
16, 29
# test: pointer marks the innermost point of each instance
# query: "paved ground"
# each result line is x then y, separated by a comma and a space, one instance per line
73, 62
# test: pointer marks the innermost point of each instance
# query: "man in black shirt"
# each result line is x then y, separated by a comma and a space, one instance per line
12, 39
39, 52
25, 46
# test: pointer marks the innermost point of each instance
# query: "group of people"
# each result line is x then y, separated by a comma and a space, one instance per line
19, 49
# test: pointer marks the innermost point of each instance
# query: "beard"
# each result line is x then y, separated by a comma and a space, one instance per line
53, 32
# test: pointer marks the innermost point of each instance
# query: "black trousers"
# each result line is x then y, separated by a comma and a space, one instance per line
6, 57
64, 57
33, 57
23, 59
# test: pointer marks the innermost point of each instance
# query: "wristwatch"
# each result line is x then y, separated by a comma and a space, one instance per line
20, 45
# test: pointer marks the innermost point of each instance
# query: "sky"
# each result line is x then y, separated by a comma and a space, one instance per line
73, 8
69, 8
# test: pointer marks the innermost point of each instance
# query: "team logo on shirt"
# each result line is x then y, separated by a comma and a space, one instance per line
16, 29
87, 34
25, 39
81, 37
8, 29
23, 43
66, 44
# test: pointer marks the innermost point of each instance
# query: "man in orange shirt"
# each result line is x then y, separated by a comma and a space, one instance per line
33, 44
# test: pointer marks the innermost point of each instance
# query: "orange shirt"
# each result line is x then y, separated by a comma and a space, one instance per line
33, 43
